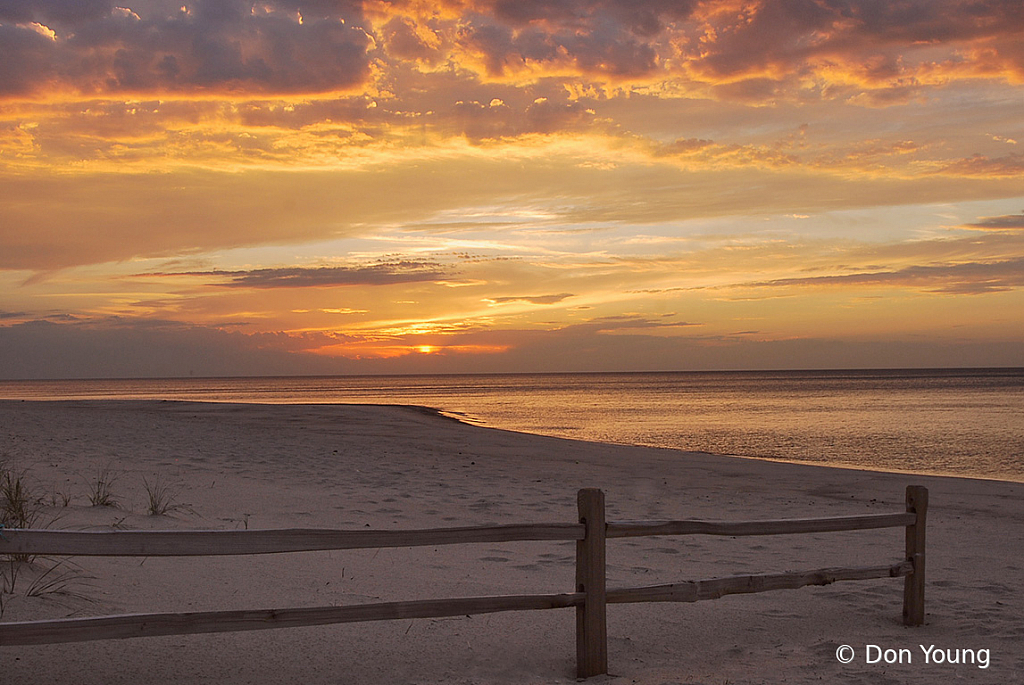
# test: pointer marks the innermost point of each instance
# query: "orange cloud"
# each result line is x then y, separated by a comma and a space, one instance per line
757, 51
1008, 166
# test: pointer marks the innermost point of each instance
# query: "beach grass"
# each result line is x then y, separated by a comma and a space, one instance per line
21, 508
101, 492
18, 507
160, 497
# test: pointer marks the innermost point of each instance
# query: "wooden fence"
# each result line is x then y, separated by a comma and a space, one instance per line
590, 597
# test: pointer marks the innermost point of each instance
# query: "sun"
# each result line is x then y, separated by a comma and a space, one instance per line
426, 349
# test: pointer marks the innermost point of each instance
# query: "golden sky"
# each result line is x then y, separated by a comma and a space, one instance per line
334, 186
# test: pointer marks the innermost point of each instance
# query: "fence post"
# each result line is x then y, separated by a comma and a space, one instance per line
913, 588
591, 626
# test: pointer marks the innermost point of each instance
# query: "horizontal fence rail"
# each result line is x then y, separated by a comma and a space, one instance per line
197, 622
190, 623
232, 542
589, 598
628, 529
716, 588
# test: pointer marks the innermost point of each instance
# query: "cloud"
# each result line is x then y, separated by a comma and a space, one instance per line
758, 52
890, 157
13, 315
326, 132
404, 39
122, 349
620, 323
862, 42
755, 52
70, 12
495, 119
639, 17
603, 49
649, 346
765, 35
708, 153
386, 273
1008, 222
121, 216
538, 299
972, 278
231, 85
615, 40
1011, 165
205, 45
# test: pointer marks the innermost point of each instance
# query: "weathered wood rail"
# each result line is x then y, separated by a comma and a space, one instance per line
590, 596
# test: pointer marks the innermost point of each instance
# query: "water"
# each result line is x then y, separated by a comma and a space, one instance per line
966, 422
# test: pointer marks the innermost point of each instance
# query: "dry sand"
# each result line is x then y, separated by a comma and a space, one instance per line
273, 466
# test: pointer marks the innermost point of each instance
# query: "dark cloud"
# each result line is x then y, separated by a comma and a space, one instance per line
756, 50
123, 349
873, 39
972, 278
1009, 222
63, 12
603, 49
480, 121
623, 322
26, 56
641, 17
616, 38
402, 40
214, 45
12, 315
922, 21
769, 33
127, 349
756, 54
540, 299
387, 273
752, 53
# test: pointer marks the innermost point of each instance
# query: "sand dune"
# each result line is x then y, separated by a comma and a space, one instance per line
274, 466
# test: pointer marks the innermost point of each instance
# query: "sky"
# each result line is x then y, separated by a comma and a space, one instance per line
218, 187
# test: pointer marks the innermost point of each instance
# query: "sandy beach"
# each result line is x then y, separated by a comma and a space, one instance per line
236, 466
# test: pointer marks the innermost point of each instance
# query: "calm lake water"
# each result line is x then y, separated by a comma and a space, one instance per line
965, 422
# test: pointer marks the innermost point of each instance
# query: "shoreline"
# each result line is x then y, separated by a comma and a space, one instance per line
394, 467
455, 416
863, 438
